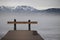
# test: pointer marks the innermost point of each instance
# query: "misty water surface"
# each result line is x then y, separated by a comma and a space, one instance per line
48, 25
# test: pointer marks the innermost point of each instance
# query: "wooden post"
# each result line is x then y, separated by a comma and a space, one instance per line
15, 24
29, 25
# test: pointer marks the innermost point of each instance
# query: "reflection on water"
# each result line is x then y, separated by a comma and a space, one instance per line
48, 25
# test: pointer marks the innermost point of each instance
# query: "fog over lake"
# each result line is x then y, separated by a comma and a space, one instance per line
48, 24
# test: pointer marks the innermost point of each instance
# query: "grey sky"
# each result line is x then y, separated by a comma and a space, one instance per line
39, 4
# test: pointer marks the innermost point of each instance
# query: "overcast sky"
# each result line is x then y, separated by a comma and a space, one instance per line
39, 4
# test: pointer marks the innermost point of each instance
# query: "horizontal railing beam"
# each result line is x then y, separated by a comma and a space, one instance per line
34, 22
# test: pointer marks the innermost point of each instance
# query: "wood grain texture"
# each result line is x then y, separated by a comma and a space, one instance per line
22, 35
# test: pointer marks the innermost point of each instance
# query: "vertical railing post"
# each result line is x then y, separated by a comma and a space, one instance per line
29, 25
14, 24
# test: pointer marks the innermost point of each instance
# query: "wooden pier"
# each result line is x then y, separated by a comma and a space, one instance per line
22, 34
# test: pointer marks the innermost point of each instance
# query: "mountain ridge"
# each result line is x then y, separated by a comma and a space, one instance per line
19, 9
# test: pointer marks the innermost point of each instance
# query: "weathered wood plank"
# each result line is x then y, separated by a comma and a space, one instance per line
11, 22
22, 35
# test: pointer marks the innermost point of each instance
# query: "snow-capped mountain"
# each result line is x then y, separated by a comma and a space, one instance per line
5, 9
18, 9
27, 9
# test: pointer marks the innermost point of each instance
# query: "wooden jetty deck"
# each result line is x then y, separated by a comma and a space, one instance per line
22, 35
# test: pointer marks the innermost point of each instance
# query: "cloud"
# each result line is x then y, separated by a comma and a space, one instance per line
39, 4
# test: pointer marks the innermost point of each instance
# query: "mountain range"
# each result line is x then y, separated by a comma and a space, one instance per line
20, 9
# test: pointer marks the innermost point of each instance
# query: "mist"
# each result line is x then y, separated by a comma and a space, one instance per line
48, 24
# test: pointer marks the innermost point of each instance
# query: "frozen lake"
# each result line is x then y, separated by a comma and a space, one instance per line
48, 25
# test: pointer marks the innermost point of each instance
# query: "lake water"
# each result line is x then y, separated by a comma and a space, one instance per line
48, 25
